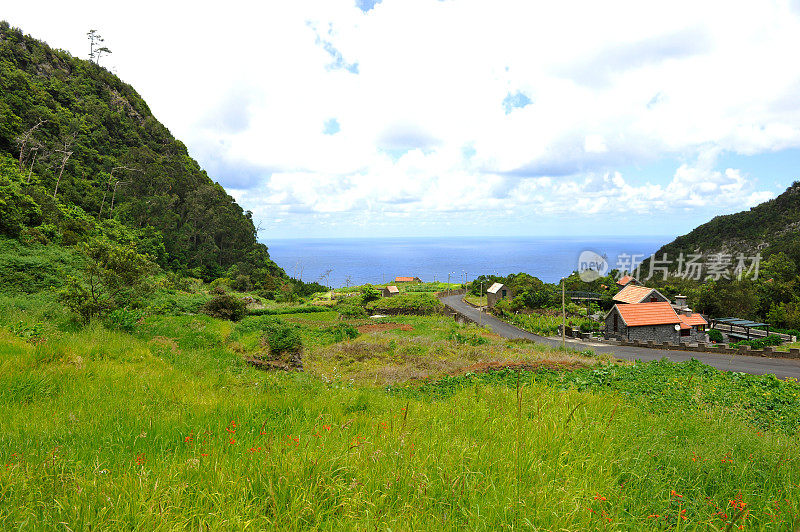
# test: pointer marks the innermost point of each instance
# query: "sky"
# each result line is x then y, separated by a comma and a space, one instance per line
359, 118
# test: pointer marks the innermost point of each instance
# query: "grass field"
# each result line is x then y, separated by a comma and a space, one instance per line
167, 427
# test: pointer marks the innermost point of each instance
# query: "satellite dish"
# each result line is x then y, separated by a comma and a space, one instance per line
677, 326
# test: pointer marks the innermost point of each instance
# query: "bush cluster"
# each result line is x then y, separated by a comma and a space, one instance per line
225, 307
761, 343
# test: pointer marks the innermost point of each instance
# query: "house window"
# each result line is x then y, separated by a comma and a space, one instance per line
685, 332
653, 299
615, 322
504, 294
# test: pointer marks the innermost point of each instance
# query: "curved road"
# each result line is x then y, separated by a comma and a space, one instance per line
780, 367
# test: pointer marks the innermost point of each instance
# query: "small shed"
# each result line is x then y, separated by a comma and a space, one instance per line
496, 292
407, 280
389, 291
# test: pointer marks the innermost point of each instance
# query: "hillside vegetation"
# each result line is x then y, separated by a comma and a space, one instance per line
771, 227
79, 144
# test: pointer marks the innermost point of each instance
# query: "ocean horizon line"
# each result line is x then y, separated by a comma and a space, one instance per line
475, 237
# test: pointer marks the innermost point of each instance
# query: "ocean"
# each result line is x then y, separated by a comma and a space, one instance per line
353, 261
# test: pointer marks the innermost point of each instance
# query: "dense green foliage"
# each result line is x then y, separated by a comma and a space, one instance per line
771, 226
52, 104
225, 307
760, 343
418, 302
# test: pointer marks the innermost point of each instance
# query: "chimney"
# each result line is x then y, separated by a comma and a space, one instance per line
686, 311
680, 301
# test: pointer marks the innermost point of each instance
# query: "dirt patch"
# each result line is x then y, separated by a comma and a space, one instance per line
525, 365
375, 327
272, 364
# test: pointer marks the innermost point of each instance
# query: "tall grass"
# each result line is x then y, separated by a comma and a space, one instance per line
167, 428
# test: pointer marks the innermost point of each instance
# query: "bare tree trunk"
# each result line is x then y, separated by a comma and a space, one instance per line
61, 172
23, 141
30, 173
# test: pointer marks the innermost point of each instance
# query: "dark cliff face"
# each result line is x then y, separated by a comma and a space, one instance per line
115, 139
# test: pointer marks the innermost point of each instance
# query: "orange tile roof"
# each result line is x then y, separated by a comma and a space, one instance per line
638, 314
625, 280
403, 279
694, 319
633, 293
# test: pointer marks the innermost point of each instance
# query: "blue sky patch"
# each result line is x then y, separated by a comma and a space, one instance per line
515, 101
366, 5
331, 127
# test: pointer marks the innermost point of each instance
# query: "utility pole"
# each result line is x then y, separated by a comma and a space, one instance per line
563, 316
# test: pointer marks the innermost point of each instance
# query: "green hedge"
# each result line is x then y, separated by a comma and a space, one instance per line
287, 310
424, 302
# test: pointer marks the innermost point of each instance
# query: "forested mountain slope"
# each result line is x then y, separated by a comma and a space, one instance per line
770, 227
79, 137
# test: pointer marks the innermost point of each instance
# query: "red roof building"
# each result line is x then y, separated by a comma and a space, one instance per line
634, 293
654, 321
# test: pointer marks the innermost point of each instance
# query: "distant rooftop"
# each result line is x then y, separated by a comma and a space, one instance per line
495, 287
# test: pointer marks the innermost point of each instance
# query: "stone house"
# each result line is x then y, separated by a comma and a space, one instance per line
634, 293
389, 291
657, 321
497, 292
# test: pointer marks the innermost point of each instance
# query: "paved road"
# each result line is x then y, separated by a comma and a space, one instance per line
780, 367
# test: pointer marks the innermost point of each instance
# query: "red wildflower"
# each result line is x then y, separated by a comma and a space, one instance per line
674, 493
140, 459
232, 441
327, 427
599, 497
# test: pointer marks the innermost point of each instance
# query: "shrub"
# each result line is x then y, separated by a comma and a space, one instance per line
113, 275
368, 293
469, 338
351, 311
242, 283
226, 307
124, 319
715, 336
761, 343
339, 332
283, 338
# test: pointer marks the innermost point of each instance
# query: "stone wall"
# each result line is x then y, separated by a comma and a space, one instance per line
712, 348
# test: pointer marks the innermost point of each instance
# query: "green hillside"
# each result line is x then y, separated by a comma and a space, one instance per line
770, 227
123, 164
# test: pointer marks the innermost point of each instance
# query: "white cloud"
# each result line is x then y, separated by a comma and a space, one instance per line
250, 85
